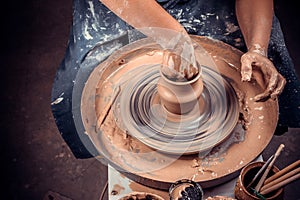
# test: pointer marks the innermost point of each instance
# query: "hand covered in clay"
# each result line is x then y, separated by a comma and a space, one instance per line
178, 60
275, 82
176, 68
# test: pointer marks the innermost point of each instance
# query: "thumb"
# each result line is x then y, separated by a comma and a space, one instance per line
246, 68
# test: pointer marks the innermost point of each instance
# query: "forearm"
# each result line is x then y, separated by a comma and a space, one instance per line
255, 20
143, 13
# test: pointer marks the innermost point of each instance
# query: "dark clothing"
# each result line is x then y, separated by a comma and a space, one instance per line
96, 32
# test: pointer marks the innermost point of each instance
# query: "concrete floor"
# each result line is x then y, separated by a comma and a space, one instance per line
37, 160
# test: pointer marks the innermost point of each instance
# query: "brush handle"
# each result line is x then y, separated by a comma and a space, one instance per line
260, 171
280, 185
263, 178
280, 179
283, 171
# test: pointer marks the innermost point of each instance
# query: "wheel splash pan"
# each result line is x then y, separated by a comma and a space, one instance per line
157, 169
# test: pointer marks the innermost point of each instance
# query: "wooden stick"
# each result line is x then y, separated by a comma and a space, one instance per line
280, 179
283, 171
260, 171
280, 185
263, 178
107, 108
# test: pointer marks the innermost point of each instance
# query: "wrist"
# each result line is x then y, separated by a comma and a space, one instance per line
258, 49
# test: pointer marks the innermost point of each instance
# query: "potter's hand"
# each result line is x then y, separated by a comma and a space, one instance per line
161, 27
253, 60
178, 60
177, 68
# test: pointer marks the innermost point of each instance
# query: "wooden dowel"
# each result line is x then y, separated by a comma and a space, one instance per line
280, 185
283, 171
280, 179
106, 109
263, 178
260, 171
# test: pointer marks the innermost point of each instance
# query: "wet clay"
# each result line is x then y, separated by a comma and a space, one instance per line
141, 110
179, 97
154, 168
177, 69
141, 196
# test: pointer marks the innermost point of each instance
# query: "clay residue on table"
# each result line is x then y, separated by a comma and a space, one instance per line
141, 196
117, 189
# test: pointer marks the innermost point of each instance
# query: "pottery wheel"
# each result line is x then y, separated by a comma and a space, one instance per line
130, 136
146, 119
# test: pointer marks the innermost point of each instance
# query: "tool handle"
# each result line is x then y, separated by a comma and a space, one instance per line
263, 178
279, 185
280, 179
283, 171
262, 169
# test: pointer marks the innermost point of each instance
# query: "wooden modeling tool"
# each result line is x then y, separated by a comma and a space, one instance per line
282, 172
264, 176
262, 169
281, 178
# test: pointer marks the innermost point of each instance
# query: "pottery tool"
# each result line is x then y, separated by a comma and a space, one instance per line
263, 178
281, 181
280, 184
282, 178
262, 169
282, 172
107, 108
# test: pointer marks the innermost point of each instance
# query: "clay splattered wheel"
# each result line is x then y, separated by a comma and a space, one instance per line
154, 168
146, 119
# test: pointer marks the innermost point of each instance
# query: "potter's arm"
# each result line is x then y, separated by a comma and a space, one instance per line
255, 20
143, 13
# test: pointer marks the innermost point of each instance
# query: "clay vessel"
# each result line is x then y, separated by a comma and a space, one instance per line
179, 97
141, 196
245, 177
